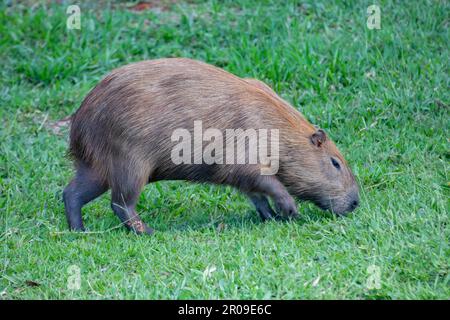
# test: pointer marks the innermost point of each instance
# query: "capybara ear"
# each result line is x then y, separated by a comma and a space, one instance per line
318, 137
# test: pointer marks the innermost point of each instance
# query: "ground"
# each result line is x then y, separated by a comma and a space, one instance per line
381, 94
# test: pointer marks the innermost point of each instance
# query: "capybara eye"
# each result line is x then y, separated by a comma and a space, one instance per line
335, 163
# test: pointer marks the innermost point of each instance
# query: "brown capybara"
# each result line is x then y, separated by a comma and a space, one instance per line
129, 132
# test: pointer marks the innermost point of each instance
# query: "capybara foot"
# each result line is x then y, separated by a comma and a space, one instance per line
139, 227
286, 207
263, 207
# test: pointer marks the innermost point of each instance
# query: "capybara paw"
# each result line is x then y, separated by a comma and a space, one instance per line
287, 208
77, 228
139, 227
266, 215
279, 217
149, 230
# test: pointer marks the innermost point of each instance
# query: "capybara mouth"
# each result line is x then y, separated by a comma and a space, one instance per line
338, 209
325, 206
340, 206
347, 209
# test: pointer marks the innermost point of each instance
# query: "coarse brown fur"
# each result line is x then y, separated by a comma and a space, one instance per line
120, 138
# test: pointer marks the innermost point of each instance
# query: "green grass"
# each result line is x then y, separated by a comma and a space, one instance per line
382, 95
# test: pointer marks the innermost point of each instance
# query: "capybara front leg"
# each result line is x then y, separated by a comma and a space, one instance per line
262, 206
85, 187
284, 203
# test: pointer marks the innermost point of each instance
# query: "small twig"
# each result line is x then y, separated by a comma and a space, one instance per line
43, 122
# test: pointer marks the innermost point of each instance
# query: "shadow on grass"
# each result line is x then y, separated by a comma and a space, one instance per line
226, 210
199, 220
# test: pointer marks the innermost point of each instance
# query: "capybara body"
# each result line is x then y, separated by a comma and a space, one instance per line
121, 138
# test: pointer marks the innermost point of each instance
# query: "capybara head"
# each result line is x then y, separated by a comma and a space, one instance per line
322, 175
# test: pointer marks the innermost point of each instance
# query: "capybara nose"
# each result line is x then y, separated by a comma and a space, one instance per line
353, 205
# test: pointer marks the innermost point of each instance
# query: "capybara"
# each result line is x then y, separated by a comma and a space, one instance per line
122, 137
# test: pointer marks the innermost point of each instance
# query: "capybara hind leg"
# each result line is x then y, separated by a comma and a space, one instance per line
85, 187
262, 206
284, 203
125, 209
125, 194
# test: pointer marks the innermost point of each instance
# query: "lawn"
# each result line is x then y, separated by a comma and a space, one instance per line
381, 94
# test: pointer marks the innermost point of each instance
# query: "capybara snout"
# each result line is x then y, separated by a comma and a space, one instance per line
180, 119
340, 205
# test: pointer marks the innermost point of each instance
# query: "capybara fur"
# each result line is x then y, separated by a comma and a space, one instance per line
120, 139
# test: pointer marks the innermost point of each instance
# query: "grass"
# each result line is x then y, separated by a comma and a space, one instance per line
382, 95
